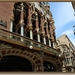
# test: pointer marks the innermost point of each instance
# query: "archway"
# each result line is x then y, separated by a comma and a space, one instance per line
15, 63
48, 66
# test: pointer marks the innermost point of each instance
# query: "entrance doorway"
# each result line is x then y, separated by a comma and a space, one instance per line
49, 66
15, 63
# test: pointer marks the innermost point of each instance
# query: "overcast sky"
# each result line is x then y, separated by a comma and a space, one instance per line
63, 15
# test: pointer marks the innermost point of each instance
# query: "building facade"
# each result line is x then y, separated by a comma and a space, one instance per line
27, 37
67, 49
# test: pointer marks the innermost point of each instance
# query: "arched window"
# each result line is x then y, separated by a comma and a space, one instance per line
17, 16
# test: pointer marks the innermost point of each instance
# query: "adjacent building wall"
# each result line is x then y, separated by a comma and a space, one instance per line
67, 49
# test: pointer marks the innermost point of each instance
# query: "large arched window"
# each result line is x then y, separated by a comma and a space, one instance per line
17, 16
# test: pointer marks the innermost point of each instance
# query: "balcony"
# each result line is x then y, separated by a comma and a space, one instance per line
26, 42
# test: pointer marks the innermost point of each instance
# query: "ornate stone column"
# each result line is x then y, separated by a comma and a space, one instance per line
31, 33
53, 44
51, 33
38, 35
31, 36
42, 27
11, 18
22, 27
51, 30
22, 21
37, 28
42, 24
49, 42
11, 23
30, 23
48, 34
44, 39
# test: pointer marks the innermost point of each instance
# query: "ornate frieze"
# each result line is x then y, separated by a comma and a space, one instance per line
3, 45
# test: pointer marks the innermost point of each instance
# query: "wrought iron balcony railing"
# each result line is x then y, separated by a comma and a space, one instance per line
30, 43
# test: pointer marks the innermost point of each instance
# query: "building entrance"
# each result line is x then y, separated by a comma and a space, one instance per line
49, 66
15, 63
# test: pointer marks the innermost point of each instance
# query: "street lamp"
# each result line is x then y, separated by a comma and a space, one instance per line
74, 25
74, 30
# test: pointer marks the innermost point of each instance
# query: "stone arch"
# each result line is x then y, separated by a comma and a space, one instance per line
15, 63
55, 62
35, 60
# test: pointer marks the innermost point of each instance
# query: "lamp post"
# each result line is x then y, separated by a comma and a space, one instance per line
74, 25
74, 30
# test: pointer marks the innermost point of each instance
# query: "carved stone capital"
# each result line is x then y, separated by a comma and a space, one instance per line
37, 29
12, 17
30, 26
43, 33
22, 5
52, 39
48, 36
22, 22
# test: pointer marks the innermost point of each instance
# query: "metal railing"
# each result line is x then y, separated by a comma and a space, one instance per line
17, 37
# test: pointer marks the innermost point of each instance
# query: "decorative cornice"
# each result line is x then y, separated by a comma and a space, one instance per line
3, 45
